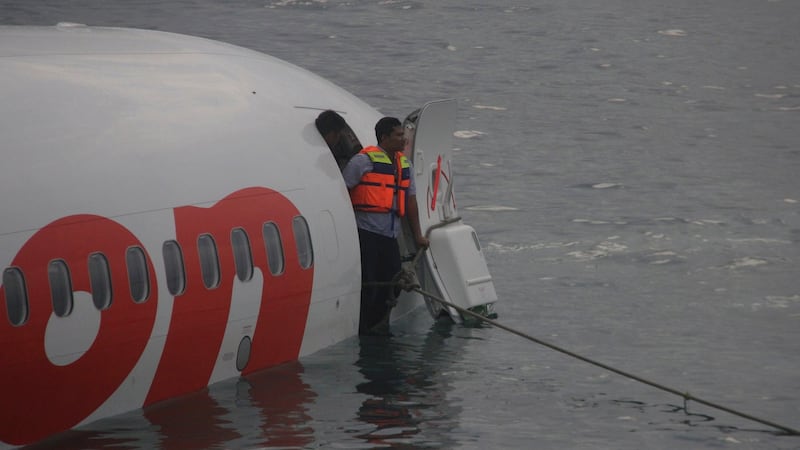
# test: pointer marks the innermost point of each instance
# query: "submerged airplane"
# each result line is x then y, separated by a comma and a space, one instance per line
172, 218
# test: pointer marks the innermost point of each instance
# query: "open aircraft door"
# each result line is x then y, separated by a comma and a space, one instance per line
454, 267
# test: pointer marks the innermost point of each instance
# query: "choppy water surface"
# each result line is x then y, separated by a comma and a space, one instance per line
631, 169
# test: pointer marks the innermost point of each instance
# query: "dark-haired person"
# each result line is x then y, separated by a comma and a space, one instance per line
381, 183
338, 135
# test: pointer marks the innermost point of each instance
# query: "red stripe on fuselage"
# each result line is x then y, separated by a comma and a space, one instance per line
40, 398
199, 315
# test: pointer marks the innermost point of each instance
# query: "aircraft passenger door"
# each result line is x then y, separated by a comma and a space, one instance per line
431, 142
453, 267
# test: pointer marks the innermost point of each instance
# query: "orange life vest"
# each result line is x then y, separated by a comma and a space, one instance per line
376, 189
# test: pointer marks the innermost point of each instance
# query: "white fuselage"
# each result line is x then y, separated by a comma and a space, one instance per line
133, 164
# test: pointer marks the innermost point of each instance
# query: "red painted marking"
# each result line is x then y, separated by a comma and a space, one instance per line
40, 398
199, 315
436, 182
48, 399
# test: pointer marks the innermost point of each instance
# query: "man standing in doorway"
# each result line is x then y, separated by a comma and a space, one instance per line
381, 183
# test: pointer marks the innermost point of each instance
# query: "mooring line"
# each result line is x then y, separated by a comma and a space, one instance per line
685, 395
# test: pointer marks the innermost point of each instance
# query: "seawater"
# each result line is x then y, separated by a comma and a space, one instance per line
631, 169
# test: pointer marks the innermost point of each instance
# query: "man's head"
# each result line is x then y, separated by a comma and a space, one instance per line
330, 125
389, 132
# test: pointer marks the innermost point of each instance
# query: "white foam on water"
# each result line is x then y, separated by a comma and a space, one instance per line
673, 32
491, 208
617, 100
789, 108
600, 250
708, 222
493, 108
759, 240
790, 200
585, 256
296, 3
516, 248
776, 302
717, 88
660, 261
771, 95
591, 221
605, 185
745, 262
468, 134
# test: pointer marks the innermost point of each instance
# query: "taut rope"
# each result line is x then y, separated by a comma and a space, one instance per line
408, 281
684, 394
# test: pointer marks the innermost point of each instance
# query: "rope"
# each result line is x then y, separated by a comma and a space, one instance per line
685, 395
407, 280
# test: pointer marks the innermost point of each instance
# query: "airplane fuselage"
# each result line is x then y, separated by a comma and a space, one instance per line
170, 218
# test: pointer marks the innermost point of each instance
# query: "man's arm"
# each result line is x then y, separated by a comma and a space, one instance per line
358, 165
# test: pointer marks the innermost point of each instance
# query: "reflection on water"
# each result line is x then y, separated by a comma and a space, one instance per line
197, 423
393, 394
406, 389
265, 409
280, 399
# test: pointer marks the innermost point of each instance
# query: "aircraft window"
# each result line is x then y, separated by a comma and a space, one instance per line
173, 263
302, 238
60, 287
209, 260
138, 278
16, 296
272, 239
242, 256
100, 280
